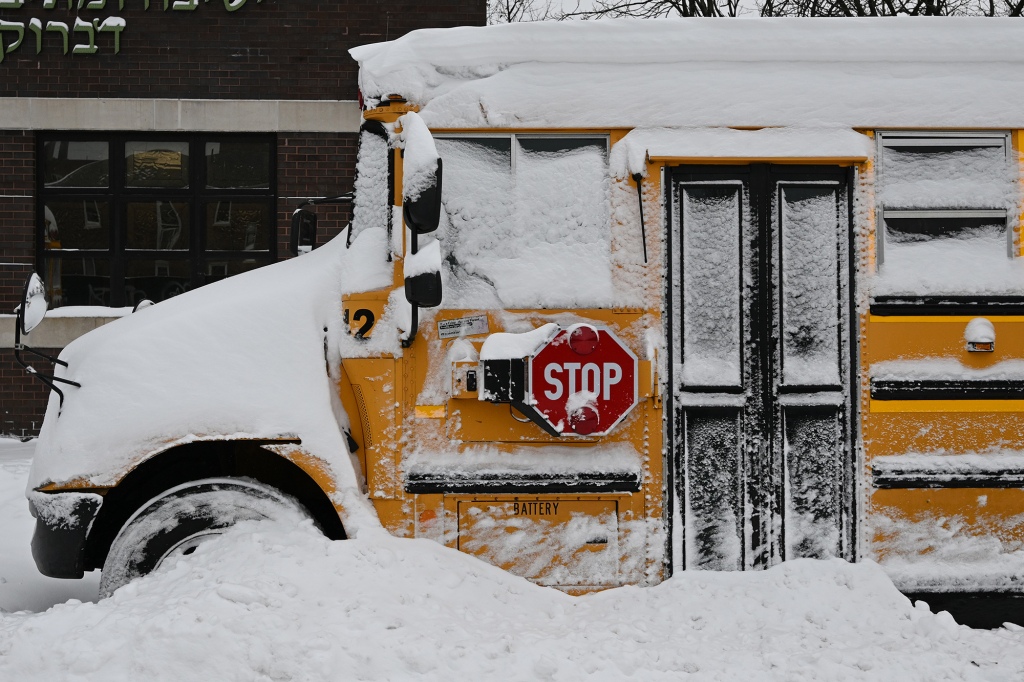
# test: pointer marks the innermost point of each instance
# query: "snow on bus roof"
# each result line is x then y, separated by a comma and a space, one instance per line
865, 73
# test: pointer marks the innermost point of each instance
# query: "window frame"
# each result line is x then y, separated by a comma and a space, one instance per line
930, 138
119, 195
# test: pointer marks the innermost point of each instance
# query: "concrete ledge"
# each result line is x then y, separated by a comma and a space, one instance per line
52, 332
184, 115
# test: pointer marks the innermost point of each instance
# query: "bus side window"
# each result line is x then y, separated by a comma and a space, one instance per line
527, 221
945, 205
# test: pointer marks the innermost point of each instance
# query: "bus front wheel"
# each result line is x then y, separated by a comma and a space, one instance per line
178, 520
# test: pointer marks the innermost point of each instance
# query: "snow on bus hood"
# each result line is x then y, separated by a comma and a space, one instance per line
243, 356
941, 72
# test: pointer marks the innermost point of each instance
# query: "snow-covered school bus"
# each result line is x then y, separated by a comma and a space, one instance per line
618, 299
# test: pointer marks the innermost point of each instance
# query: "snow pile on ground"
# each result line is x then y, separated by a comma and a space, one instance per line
945, 72
280, 602
21, 585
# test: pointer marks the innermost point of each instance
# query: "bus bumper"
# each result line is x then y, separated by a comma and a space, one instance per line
63, 521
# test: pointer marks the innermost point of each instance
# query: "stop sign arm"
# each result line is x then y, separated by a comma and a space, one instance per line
505, 382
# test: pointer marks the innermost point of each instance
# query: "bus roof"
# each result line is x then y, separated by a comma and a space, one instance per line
861, 73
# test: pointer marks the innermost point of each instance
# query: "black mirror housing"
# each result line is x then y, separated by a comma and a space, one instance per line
303, 233
423, 214
424, 290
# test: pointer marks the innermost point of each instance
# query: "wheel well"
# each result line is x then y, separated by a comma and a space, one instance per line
205, 459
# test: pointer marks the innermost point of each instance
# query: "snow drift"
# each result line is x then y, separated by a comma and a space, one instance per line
280, 602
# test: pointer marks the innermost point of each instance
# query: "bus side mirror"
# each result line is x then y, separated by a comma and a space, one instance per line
424, 290
303, 233
33, 304
423, 214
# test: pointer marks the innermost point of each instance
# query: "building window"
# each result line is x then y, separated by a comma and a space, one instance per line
138, 216
948, 204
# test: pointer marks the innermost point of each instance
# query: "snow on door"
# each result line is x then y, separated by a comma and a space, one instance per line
761, 349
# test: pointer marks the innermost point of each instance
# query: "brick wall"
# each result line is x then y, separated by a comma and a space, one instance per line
274, 49
23, 398
269, 49
314, 165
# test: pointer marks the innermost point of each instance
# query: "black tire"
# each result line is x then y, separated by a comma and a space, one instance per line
175, 522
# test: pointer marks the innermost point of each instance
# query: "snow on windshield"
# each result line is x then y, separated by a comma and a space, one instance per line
372, 204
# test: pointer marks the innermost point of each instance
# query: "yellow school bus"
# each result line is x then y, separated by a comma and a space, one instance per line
656, 296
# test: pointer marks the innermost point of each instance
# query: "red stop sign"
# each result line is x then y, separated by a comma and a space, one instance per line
584, 381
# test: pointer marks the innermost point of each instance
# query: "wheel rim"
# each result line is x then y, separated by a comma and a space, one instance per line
187, 546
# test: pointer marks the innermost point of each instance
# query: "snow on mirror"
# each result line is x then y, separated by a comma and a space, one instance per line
34, 305
526, 221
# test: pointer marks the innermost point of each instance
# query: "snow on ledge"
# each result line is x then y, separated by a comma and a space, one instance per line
945, 369
631, 153
949, 466
617, 458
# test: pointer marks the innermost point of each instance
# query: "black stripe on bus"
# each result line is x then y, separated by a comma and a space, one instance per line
963, 389
524, 483
925, 479
947, 305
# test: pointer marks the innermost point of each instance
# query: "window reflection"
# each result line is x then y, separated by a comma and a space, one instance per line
219, 269
78, 224
77, 281
76, 163
238, 165
155, 279
237, 226
156, 164
152, 222
158, 225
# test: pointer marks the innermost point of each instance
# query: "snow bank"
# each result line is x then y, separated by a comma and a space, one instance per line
21, 584
942, 72
281, 602
242, 357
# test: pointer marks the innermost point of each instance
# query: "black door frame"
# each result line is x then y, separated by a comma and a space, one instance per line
761, 181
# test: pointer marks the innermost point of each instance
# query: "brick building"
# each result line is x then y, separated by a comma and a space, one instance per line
148, 147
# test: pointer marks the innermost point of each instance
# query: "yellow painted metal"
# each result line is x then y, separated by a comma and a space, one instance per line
363, 311
376, 386
431, 411
921, 520
563, 532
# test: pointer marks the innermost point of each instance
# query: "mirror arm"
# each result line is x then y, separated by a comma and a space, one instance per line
415, 326
415, 315
346, 198
640, 197
56, 361
49, 381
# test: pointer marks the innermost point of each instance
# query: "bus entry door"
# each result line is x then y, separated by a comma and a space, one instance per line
761, 348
